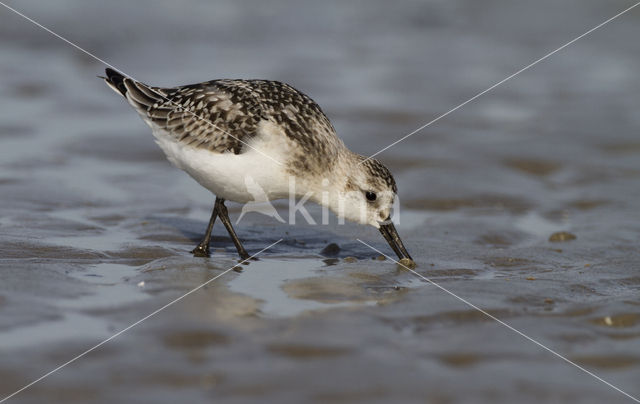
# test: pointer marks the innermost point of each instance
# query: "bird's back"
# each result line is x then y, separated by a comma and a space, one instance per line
224, 115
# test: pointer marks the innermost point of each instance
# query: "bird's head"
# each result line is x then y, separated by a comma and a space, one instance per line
367, 194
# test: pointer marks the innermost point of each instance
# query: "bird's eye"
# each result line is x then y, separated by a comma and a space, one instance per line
371, 196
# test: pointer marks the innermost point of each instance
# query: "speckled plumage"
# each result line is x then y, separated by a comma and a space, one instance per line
379, 171
232, 111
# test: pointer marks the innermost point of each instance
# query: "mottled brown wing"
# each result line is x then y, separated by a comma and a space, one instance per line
205, 115
223, 115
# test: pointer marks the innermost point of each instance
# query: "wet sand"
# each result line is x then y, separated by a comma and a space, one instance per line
524, 203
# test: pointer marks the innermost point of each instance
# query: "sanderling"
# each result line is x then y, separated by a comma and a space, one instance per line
222, 132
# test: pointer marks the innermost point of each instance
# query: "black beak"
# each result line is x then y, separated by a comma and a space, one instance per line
390, 234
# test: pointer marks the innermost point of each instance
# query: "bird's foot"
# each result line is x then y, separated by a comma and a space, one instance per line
244, 256
246, 261
202, 250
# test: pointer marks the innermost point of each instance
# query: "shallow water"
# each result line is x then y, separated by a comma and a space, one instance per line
95, 225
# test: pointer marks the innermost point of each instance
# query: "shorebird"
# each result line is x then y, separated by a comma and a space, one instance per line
222, 132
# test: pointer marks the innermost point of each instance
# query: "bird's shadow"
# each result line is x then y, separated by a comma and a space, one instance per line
296, 240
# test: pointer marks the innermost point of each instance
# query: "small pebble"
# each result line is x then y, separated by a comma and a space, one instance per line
350, 259
331, 249
141, 284
381, 258
561, 236
531, 278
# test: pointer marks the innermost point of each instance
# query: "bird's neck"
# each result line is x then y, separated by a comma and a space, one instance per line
331, 188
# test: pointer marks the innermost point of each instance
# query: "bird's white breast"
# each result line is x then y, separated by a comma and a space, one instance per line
254, 175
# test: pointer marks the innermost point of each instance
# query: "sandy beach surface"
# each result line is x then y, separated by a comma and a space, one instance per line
96, 226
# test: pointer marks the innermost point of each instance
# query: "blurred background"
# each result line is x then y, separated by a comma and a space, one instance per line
96, 226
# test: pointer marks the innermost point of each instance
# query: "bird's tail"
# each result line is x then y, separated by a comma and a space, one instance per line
115, 80
141, 96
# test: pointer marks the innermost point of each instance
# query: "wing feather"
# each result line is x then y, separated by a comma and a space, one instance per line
223, 115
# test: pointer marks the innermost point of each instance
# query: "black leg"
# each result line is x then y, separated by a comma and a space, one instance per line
202, 250
224, 218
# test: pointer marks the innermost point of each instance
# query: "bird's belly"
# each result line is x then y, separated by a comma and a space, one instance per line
245, 177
